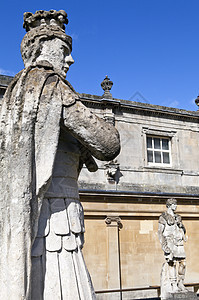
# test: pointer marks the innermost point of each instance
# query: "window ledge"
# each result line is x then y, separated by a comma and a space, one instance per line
163, 169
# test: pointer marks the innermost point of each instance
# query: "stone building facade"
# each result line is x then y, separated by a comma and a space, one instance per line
4, 81
124, 198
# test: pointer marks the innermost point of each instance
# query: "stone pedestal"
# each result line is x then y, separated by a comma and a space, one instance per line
182, 296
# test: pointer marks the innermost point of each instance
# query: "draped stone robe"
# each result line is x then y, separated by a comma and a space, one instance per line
58, 268
35, 104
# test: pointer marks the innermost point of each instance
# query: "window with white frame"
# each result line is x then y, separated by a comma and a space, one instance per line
158, 150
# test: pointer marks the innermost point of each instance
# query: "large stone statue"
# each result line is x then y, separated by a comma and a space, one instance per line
46, 135
171, 233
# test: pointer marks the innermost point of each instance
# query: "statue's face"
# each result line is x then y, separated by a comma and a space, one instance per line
173, 206
58, 54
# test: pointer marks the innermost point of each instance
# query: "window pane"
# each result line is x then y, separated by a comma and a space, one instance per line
157, 156
165, 144
156, 143
166, 159
149, 142
150, 156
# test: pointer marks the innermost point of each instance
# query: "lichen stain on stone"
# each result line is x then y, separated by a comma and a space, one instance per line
43, 97
51, 79
31, 90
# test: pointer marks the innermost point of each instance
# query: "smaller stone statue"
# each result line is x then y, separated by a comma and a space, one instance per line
171, 233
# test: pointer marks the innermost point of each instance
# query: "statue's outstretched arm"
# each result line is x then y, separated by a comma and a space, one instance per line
98, 136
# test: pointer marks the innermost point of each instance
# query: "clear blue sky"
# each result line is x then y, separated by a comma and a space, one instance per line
145, 46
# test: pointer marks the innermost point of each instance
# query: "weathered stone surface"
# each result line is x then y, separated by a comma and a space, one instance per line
91, 131
171, 232
47, 135
184, 296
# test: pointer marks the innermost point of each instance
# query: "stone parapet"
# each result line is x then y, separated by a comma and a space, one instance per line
182, 296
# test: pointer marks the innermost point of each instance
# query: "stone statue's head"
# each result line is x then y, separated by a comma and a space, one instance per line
46, 40
171, 201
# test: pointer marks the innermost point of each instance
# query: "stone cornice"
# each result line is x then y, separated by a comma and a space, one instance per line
139, 108
125, 196
5, 80
137, 205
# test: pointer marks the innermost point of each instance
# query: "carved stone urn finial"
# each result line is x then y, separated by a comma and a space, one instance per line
197, 102
106, 86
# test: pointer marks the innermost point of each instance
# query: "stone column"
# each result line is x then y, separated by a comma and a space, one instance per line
114, 268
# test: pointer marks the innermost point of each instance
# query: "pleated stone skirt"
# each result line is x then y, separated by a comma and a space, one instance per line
58, 268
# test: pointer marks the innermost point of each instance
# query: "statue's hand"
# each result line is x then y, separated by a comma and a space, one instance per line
87, 159
167, 250
169, 257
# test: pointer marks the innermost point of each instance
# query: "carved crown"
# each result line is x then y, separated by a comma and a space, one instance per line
44, 18
40, 26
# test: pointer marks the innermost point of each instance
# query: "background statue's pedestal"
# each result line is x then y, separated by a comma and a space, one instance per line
183, 296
